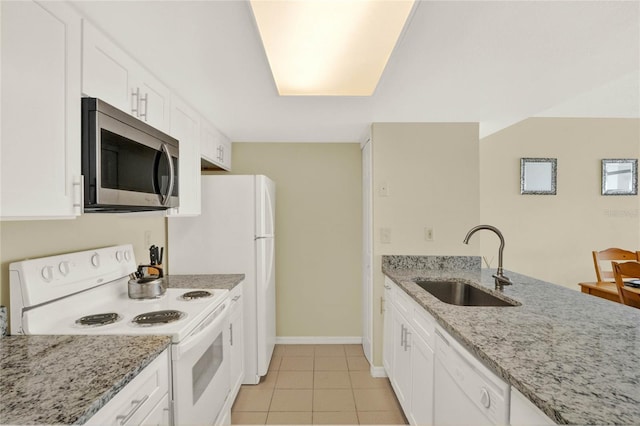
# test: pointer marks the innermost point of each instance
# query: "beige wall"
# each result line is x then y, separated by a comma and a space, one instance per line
38, 238
551, 237
318, 233
432, 172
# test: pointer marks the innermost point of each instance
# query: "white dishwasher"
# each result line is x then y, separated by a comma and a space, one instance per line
467, 393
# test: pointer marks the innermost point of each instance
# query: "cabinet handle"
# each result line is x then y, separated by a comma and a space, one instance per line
135, 105
144, 99
382, 301
236, 298
407, 333
231, 334
388, 287
221, 153
136, 406
402, 335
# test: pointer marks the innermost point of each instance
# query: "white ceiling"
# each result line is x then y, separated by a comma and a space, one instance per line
493, 62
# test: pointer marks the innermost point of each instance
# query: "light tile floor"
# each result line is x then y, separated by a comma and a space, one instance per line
318, 384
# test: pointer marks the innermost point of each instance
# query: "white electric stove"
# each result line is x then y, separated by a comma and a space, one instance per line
87, 293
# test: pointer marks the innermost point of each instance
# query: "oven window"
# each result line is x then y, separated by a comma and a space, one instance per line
206, 367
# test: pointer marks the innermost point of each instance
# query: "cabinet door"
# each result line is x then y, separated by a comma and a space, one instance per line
236, 338
185, 126
159, 415
40, 151
154, 107
422, 364
209, 139
388, 338
225, 154
401, 378
106, 70
215, 147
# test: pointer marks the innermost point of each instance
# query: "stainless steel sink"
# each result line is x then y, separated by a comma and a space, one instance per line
462, 294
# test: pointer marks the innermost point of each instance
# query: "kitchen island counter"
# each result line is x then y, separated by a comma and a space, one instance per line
573, 355
67, 379
205, 281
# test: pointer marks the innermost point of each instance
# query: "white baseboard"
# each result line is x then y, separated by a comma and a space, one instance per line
378, 371
319, 340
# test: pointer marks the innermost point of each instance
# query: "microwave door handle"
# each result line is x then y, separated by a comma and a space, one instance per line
165, 198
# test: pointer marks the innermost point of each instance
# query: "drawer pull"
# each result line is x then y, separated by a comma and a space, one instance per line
136, 406
236, 298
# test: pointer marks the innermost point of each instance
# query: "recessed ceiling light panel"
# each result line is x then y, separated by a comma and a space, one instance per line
329, 47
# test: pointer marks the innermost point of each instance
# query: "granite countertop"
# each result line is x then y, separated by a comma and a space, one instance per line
212, 281
575, 356
67, 379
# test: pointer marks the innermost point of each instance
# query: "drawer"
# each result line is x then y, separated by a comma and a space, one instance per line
424, 324
139, 398
404, 303
235, 298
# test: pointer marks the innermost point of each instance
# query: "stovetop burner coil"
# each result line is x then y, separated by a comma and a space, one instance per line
197, 294
98, 319
158, 317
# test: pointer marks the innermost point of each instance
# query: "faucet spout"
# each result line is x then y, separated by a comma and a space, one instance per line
499, 276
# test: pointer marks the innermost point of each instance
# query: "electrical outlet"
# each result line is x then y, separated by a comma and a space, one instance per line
428, 234
385, 235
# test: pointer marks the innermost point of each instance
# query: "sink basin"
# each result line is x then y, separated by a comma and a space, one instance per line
461, 294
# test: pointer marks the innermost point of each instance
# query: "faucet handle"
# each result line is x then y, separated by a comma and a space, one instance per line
501, 280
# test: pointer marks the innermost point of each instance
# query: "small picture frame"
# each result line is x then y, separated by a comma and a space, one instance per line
538, 176
620, 176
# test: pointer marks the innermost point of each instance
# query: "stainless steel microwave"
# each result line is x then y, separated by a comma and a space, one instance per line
127, 165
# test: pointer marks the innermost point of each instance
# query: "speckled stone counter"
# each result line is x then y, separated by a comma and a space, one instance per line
67, 379
213, 281
575, 356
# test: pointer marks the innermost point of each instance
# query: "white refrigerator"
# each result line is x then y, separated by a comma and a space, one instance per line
234, 234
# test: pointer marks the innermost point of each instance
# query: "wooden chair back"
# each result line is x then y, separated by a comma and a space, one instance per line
612, 254
627, 270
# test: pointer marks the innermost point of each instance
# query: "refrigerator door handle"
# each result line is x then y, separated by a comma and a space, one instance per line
263, 237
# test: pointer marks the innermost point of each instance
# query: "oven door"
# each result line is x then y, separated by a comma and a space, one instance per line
200, 366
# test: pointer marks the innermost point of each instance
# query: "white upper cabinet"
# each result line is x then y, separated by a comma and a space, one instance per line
185, 126
110, 74
215, 148
40, 140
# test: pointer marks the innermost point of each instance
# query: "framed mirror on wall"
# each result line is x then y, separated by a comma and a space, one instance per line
538, 176
620, 176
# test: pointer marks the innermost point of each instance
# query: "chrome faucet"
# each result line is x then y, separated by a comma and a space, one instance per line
501, 280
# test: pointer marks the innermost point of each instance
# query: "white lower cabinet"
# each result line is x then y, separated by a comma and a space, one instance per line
401, 370
236, 353
422, 385
408, 354
524, 413
236, 338
40, 132
145, 400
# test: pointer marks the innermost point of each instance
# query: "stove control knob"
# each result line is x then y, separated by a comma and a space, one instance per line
127, 255
119, 256
47, 273
63, 267
95, 260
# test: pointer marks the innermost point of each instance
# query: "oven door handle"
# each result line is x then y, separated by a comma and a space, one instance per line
211, 323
